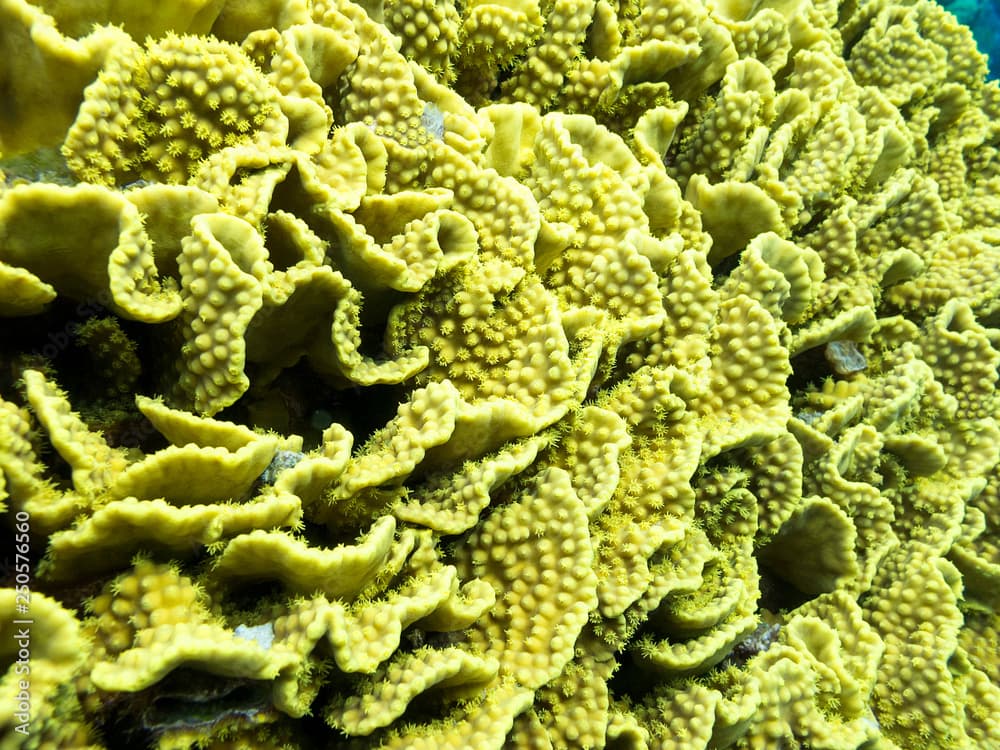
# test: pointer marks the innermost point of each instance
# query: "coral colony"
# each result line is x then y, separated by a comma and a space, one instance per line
432, 374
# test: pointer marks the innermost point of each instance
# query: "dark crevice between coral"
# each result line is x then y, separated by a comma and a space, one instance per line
820, 212
40, 341
185, 700
724, 267
247, 602
810, 368
777, 594
301, 402
73, 595
633, 682
91, 380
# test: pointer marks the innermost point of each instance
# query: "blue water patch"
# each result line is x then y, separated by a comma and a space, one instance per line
983, 17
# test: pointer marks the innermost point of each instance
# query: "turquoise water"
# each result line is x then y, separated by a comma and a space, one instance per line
983, 17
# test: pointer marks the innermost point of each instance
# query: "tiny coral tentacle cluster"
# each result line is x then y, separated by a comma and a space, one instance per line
499, 374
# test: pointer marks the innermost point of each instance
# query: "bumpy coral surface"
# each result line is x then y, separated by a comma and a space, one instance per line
571, 374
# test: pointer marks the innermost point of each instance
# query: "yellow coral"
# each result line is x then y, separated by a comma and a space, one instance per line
496, 33
552, 55
46, 72
221, 267
485, 722
893, 54
23, 483
637, 357
494, 332
915, 694
534, 551
113, 257
148, 596
209, 474
450, 502
586, 180
174, 103
116, 531
160, 649
962, 268
193, 16
385, 696
749, 367
339, 572
573, 708
429, 31
23, 292
427, 420
44, 652
815, 547
95, 465
298, 62
378, 88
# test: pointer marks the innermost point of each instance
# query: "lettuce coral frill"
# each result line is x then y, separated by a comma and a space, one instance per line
499, 375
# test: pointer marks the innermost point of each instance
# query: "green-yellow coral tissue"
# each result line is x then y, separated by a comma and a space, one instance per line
499, 375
